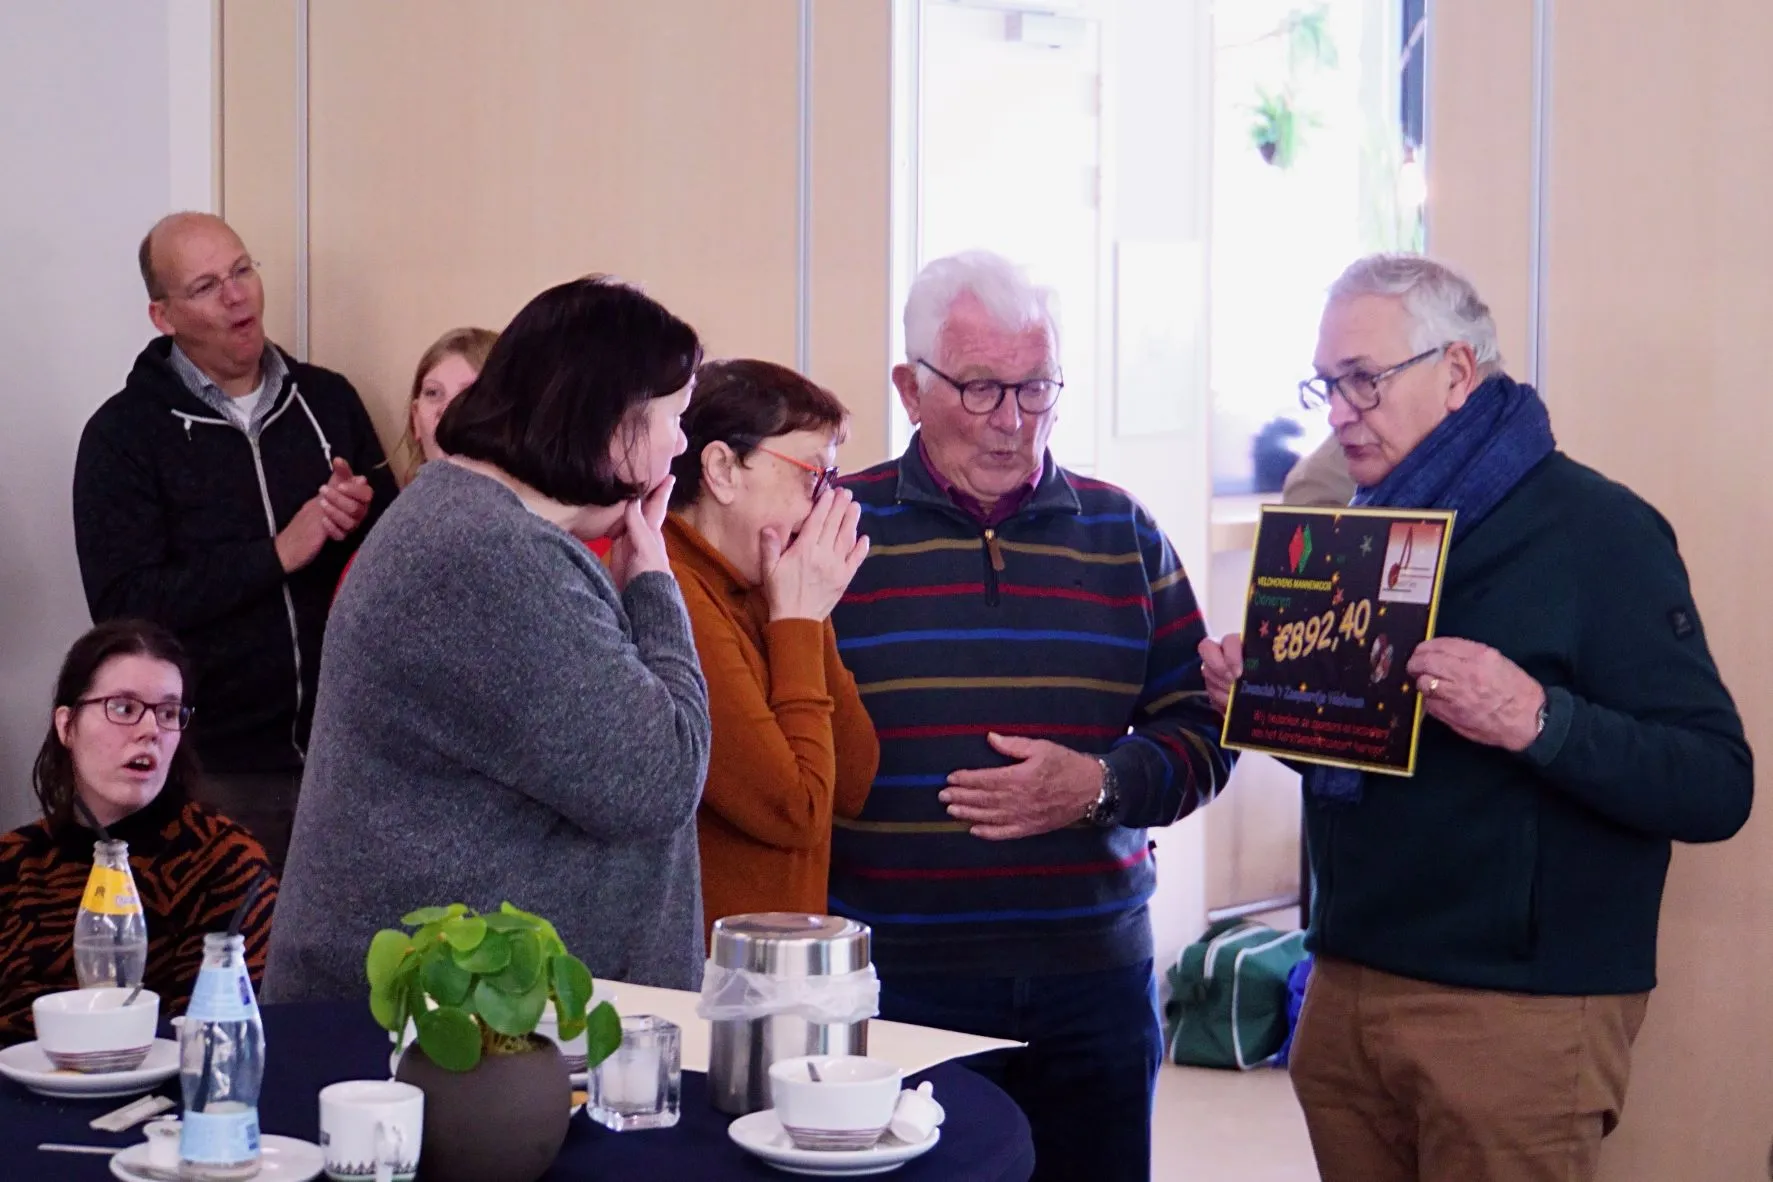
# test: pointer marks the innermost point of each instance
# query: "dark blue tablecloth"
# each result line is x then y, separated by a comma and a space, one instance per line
985, 1138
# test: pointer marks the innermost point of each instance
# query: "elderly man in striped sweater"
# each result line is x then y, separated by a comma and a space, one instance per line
1025, 642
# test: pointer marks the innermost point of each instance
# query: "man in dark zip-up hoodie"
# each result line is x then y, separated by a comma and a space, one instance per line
220, 494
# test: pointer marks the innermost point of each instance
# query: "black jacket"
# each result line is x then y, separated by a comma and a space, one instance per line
1543, 872
176, 512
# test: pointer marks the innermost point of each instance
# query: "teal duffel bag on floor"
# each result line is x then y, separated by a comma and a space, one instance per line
1228, 996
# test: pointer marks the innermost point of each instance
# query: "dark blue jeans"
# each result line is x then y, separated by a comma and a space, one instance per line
1086, 1078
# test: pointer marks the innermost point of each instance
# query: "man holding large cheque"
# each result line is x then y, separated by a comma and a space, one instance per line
1486, 928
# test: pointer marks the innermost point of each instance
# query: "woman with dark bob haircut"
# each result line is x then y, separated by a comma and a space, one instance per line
764, 545
542, 736
113, 754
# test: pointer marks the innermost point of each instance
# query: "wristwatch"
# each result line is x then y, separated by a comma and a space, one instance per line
1104, 812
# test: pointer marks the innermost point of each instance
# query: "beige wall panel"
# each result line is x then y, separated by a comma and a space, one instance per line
1480, 163
258, 146
466, 155
1252, 835
848, 313
1657, 305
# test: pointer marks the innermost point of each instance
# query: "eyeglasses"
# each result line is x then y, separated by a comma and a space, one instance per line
210, 285
1361, 390
826, 476
981, 396
127, 711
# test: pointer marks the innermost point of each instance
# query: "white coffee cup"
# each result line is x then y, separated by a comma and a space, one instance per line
846, 1107
371, 1129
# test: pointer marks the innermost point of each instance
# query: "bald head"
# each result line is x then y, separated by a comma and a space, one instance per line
204, 293
164, 237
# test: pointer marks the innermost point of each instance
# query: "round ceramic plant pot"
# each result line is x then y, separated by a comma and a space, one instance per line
504, 1121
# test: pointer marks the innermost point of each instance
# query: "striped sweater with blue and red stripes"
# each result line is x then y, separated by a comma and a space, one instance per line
1070, 621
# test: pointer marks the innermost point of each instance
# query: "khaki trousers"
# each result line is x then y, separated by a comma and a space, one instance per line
1404, 1081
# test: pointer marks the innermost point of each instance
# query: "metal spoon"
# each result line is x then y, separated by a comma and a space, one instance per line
134, 993
812, 1069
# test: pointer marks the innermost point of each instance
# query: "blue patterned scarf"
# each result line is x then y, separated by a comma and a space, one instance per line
1468, 464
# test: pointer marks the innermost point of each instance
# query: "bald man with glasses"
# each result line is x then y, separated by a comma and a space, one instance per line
220, 494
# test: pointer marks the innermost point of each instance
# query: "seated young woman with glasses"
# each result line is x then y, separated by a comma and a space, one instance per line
114, 757
764, 545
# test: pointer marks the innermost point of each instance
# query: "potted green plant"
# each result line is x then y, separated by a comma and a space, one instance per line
497, 1094
1277, 126
1280, 120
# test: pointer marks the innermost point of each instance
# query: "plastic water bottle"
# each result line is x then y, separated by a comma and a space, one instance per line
110, 933
221, 1066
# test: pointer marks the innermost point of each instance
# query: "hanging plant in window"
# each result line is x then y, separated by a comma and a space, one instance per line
1279, 121
1275, 130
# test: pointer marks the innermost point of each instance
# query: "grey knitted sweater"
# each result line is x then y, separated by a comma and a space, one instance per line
495, 721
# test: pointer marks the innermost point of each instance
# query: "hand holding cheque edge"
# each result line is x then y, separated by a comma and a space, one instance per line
1473, 689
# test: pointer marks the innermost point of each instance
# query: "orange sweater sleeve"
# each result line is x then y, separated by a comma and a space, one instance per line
772, 768
852, 732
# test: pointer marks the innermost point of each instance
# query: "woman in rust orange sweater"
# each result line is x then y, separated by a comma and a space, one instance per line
763, 546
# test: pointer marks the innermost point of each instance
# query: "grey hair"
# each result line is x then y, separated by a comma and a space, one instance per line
1013, 300
1443, 305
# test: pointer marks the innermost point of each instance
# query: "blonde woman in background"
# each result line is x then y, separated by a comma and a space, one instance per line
447, 368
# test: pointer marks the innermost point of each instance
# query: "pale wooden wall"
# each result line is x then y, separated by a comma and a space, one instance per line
1658, 248
465, 155
1657, 307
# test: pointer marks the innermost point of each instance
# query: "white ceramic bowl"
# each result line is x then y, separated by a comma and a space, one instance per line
849, 1106
90, 1030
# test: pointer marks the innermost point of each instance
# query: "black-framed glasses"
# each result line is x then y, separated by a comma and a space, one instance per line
825, 477
127, 711
1361, 390
210, 285
981, 396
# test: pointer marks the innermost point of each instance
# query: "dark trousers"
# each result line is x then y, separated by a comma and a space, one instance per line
263, 803
1086, 1078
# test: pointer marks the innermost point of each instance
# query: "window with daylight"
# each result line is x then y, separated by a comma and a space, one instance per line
1317, 159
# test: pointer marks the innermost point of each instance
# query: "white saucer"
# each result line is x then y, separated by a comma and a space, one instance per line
762, 1134
27, 1064
286, 1159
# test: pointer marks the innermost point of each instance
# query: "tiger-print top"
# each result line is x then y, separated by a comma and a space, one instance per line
192, 867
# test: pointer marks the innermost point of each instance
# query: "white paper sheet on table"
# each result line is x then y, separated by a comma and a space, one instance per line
910, 1048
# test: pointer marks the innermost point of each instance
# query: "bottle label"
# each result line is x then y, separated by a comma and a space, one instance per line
222, 994
110, 892
227, 1134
